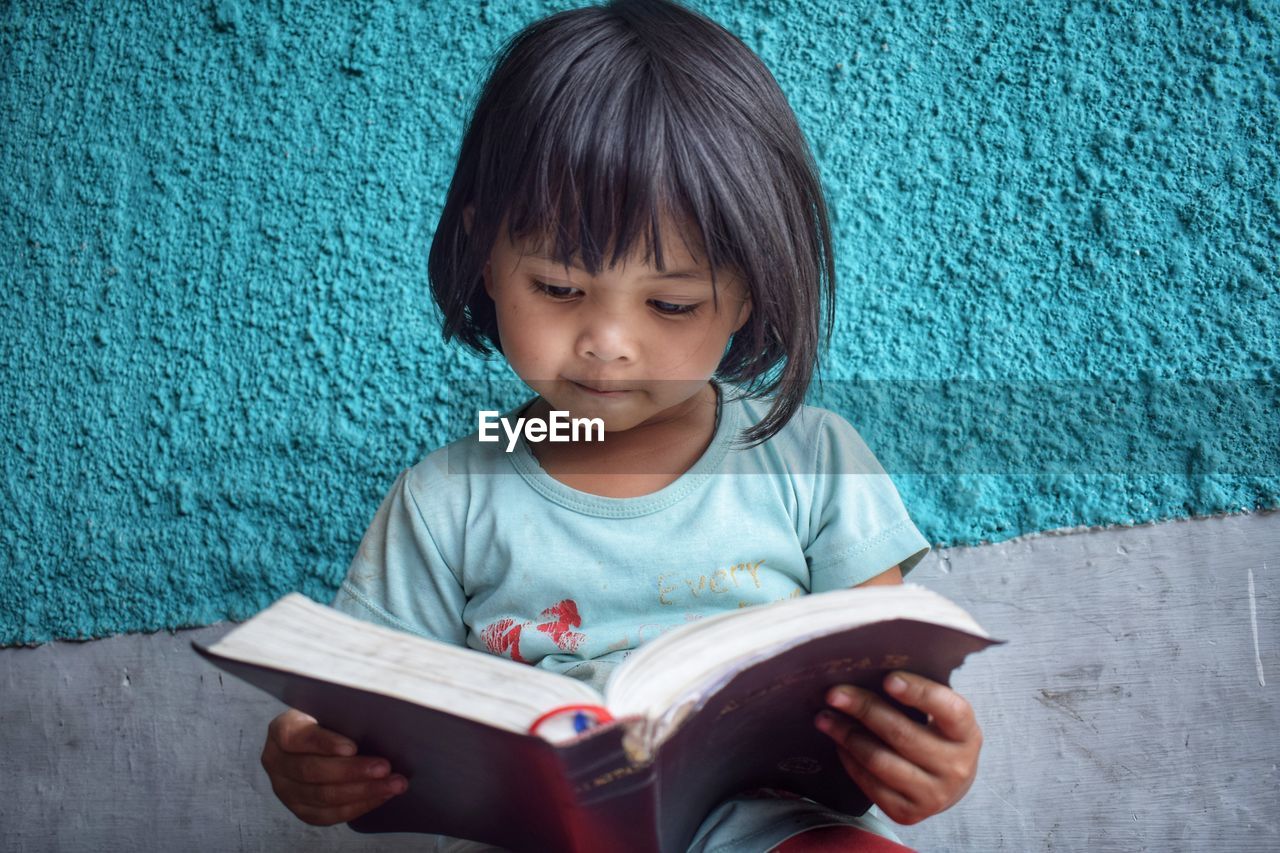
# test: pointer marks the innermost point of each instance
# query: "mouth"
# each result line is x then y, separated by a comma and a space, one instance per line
596, 391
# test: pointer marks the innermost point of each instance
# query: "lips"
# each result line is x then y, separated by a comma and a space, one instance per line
599, 389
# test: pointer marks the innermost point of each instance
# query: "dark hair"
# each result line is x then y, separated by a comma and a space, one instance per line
597, 122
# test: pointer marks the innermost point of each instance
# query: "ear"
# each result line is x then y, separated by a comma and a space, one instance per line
744, 313
468, 219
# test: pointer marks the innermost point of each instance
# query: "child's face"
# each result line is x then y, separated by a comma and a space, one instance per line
630, 346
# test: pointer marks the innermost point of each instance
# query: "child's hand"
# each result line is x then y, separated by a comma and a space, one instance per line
317, 774
911, 770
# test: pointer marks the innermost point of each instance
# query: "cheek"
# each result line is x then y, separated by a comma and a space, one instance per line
526, 344
697, 353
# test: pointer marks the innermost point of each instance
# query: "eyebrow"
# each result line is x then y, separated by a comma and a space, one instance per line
691, 274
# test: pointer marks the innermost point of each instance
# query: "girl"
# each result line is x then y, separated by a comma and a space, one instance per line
636, 225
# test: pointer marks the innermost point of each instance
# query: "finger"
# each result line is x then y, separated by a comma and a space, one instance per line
888, 767
342, 795
950, 713
912, 740
322, 816
894, 804
329, 770
296, 732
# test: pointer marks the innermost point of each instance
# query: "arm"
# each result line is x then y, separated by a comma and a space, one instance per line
911, 770
891, 576
397, 579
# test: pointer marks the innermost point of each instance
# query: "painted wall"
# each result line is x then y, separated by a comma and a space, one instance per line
218, 345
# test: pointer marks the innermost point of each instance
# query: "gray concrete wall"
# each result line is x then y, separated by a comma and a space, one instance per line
1129, 711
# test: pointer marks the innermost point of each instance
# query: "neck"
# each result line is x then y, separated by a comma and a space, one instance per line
636, 461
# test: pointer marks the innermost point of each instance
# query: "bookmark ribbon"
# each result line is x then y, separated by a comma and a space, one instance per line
584, 717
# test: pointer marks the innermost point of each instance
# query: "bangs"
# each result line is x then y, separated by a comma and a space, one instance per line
603, 174
604, 132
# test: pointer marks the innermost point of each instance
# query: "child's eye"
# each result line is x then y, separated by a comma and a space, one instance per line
673, 307
555, 291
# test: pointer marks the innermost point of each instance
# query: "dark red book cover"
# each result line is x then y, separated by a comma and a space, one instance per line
521, 792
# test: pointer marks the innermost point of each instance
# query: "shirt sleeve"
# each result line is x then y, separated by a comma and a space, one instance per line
858, 527
399, 577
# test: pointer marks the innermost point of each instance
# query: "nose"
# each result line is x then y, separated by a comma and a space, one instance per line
607, 336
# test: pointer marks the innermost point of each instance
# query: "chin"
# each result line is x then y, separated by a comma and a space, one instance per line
615, 418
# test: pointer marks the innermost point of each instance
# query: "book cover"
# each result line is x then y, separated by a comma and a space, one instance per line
609, 788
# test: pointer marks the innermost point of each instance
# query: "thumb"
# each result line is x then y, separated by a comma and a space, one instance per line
301, 733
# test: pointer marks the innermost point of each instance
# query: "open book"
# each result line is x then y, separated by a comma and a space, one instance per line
712, 708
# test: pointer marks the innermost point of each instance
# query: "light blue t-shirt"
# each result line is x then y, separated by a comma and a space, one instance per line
478, 546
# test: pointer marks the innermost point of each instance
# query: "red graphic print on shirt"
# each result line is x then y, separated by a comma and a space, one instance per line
563, 616
503, 636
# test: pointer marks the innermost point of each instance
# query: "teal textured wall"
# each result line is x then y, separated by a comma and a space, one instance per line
218, 345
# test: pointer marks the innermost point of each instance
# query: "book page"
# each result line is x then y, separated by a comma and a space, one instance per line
668, 676
300, 636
